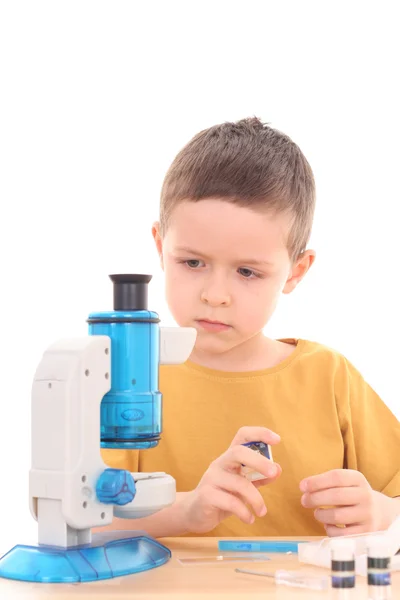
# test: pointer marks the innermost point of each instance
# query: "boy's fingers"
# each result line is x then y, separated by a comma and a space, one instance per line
261, 482
229, 503
236, 456
255, 434
333, 497
236, 484
333, 531
344, 515
331, 479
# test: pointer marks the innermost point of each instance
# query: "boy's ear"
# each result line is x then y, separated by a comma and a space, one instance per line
155, 230
298, 271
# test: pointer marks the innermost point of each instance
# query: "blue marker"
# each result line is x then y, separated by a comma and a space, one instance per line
262, 546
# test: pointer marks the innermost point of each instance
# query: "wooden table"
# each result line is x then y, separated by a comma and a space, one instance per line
175, 581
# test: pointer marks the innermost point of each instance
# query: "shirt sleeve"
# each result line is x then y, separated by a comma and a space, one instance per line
371, 432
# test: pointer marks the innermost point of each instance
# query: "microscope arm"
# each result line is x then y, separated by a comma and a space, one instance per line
69, 384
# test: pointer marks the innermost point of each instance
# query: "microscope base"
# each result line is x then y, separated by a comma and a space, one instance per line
111, 554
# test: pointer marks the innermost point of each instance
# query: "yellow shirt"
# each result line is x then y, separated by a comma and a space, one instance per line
328, 417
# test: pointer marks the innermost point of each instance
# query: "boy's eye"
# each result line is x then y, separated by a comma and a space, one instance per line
247, 273
193, 264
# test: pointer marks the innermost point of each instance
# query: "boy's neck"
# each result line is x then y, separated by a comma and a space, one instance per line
255, 354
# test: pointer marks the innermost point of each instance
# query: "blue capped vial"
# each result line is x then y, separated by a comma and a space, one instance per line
131, 412
378, 568
343, 563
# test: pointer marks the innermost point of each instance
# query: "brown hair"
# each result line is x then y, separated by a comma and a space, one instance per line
249, 164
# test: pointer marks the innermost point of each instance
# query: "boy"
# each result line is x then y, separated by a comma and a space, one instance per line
237, 207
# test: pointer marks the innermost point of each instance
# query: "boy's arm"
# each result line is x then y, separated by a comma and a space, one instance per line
343, 497
364, 496
221, 492
371, 434
168, 522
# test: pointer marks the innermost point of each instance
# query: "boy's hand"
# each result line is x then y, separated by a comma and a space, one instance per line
222, 491
351, 501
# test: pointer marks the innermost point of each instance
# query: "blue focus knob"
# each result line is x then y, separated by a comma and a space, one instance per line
115, 486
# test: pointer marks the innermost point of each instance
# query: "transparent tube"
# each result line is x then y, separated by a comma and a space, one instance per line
297, 579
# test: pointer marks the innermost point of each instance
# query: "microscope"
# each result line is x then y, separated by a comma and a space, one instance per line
99, 391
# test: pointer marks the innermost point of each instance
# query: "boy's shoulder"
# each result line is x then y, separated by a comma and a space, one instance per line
313, 349
324, 358
321, 353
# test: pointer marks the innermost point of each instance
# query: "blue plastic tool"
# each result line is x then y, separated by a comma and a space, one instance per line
281, 546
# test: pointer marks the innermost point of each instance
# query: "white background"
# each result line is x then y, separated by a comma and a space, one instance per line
96, 100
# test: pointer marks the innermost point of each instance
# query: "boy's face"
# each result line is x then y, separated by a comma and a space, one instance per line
225, 268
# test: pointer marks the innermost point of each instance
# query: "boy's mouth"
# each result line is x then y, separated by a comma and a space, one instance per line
212, 326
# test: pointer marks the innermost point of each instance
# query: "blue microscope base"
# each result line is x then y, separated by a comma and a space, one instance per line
93, 562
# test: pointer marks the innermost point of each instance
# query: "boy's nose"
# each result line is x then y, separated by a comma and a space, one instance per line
215, 295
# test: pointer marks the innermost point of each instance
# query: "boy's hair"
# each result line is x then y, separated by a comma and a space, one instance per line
248, 164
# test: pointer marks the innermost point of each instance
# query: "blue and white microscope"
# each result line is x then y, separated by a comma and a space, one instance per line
99, 391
